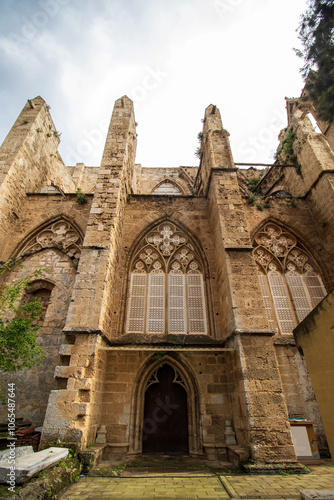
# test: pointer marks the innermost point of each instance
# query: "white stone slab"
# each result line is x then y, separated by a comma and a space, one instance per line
5, 455
27, 465
317, 495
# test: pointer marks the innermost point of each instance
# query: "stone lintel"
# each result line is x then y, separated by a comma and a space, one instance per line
95, 247
165, 348
224, 169
82, 329
289, 340
265, 333
162, 196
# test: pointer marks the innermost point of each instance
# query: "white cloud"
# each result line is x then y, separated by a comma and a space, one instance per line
173, 57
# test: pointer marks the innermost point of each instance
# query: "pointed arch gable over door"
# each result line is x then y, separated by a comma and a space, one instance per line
167, 288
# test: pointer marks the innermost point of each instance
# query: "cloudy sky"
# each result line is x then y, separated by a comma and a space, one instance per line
172, 57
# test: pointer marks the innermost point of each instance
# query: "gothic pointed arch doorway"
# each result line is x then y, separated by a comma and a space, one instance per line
165, 424
175, 384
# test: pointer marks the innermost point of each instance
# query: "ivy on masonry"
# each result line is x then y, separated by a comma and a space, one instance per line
285, 152
81, 197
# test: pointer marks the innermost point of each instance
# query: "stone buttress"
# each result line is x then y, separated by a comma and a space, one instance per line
260, 412
72, 413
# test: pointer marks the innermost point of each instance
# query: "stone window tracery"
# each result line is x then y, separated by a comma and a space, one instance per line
61, 235
290, 282
166, 285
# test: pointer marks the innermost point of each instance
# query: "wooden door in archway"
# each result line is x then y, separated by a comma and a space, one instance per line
165, 425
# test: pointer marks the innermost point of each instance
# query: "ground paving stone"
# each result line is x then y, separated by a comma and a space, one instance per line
192, 488
201, 486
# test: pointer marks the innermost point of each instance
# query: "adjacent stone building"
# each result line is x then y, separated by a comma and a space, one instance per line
315, 335
171, 295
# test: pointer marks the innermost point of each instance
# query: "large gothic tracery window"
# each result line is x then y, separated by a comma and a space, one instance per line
166, 285
288, 277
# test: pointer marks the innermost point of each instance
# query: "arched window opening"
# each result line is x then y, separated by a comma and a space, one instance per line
40, 290
50, 189
166, 285
290, 283
167, 188
43, 295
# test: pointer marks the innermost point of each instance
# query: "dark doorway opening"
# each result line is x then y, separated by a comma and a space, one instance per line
165, 426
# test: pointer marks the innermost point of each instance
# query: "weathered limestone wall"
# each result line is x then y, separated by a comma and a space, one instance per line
150, 178
239, 276
260, 411
84, 177
33, 386
95, 396
211, 391
29, 159
143, 211
315, 336
70, 416
121, 371
321, 202
215, 148
225, 318
297, 386
315, 182
91, 306
215, 406
297, 219
62, 217
40, 210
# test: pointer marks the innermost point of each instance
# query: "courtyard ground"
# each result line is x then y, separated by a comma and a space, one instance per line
189, 480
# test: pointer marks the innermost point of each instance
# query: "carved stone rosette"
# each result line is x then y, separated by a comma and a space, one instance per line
166, 249
278, 250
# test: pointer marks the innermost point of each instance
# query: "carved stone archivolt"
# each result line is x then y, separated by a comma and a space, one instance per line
166, 249
278, 251
61, 235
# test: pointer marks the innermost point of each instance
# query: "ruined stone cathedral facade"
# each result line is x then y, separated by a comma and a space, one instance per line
171, 296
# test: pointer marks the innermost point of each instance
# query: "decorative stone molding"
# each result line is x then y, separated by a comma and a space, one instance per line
166, 249
61, 235
279, 250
